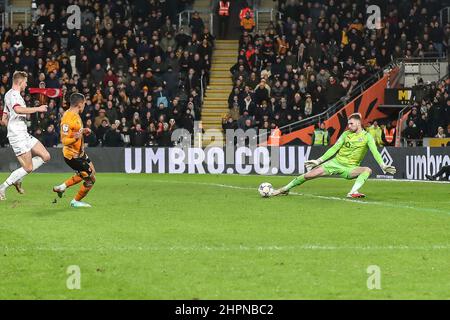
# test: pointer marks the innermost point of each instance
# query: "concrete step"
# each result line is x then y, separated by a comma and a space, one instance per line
224, 64
226, 60
209, 110
216, 104
227, 47
210, 126
220, 79
222, 82
215, 127
214, 95
215, 120
227, 41
222, 91
214, 112
220, 87
225, 53
220, 74
220, 96
216, 108
210, 120
220, 67
217, 100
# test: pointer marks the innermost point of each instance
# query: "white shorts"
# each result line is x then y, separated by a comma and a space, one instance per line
22, 144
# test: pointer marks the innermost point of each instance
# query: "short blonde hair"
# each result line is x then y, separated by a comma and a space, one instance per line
19, 75
356, 116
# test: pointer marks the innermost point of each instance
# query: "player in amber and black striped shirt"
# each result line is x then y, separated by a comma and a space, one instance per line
72, 133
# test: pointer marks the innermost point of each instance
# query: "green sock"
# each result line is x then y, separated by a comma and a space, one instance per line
362, 178
296, 182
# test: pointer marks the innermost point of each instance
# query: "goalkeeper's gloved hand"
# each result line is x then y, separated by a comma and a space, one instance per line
388, 169
311, 164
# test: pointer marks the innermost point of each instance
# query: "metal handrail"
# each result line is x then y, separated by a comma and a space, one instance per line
444, 12
339, 104
399, 128
11, 10
189, 14
438, 58
4, 17
272, 12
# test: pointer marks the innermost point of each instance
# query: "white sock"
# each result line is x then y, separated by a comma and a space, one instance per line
62, 187
354, 190
18, 174
37, 162
15, 176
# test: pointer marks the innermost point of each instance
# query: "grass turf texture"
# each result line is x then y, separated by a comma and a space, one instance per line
214, 237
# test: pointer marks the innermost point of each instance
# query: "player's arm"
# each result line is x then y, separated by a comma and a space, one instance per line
378, 158
24, 110
310, 164
4, 120
68, 136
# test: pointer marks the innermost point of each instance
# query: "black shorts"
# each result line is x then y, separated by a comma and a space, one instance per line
80, 165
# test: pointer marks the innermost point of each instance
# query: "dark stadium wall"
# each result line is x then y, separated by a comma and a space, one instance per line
411, 163
366, 103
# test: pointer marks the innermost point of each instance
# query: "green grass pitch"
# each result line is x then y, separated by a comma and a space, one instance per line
214, 237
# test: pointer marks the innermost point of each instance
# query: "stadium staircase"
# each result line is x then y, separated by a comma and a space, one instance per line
215, 105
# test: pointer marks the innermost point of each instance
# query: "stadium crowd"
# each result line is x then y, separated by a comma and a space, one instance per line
319, 51
430, 113
141, 75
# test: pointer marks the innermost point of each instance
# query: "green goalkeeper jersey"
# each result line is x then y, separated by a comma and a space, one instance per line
352, 147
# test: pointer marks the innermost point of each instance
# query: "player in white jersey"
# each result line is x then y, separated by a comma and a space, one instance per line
30, 153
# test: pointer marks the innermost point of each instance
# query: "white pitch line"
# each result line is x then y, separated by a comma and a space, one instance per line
334, 178
365, 202
257, 248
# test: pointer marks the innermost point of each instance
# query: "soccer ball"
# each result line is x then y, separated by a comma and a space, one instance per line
265, 189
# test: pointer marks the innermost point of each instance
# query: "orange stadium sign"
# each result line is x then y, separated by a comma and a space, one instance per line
366, 104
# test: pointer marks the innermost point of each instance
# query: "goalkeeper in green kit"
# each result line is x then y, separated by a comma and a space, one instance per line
350, 150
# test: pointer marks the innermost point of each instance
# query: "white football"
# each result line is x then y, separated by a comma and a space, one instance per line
265, 189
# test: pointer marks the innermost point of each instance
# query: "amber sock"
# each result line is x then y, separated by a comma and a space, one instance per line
83, 192
73, 181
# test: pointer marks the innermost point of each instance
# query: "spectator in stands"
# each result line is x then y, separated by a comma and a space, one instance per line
388, 134
50, 137
440, 133
223, 13
320, 137
411, 134
138, 136
197, 26
248, 22
113, 137
376, 132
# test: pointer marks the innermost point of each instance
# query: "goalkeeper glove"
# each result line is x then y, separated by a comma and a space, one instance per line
311, 164
388, 169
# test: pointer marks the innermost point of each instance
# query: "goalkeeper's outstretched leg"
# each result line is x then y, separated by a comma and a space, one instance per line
314, 173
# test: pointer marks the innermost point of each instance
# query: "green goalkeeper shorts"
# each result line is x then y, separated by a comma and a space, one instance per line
333, 167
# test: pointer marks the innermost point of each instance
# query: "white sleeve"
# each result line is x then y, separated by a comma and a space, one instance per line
16, 100
6, 104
